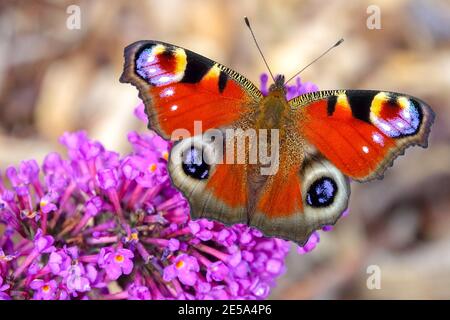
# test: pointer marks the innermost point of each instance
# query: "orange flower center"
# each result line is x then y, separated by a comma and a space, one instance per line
46, 288
165, 155
119, 258
152, 167
179, 264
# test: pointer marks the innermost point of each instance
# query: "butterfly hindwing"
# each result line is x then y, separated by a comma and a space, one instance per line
215, 190
300, 199
362, 131
180, 87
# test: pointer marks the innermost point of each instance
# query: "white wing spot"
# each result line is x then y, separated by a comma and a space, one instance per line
164, 79
167, 92
406, 114
377, 138
365, 149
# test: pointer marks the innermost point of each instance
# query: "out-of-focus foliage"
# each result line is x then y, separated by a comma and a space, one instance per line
53, 79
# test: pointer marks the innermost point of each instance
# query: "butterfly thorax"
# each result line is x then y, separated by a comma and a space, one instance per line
275, 113
274, 107
272, 110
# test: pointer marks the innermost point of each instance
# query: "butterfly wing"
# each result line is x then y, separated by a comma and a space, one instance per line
301, 198
362, 131
343, 133
181, 88
215, 190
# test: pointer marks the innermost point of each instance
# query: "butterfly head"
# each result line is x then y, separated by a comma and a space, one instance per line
278, 86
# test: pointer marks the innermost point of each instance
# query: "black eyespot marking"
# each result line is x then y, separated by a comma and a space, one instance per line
417, 110
392, 100
196, 68
194, 165
331, 105
168, 54
321, 193
360, 102
223, 78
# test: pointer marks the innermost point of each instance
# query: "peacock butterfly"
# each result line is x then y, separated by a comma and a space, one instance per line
324, 138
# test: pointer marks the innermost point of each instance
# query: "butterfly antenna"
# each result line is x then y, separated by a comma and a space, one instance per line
324, 53
247, 22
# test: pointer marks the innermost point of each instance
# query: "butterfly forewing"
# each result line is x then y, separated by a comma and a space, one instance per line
362, 131
180, 87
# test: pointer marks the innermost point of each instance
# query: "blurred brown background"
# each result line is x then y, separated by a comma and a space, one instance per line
53, 79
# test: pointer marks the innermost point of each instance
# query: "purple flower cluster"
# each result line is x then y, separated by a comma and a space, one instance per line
99, 226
